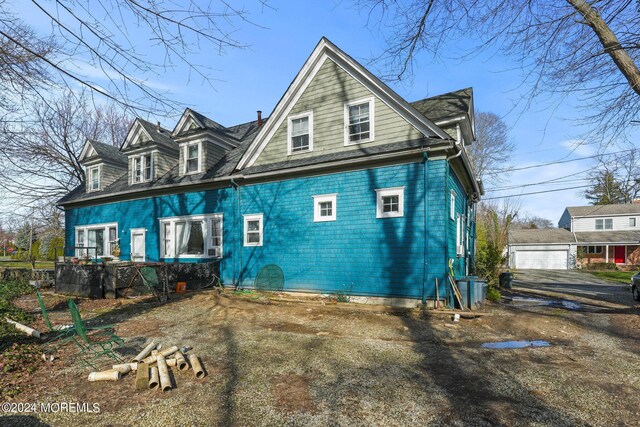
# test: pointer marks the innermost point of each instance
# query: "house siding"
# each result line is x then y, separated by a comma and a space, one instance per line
620, 222
326, 95
357, 254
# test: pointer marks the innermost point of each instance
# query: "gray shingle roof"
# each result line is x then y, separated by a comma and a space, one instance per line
597, 210
160, 136
108, 153
243, 135
444, 106
546, 235
608, 236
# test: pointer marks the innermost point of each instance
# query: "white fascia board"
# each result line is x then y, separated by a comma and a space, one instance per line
85, 150
323, 51
183, 120
135, 130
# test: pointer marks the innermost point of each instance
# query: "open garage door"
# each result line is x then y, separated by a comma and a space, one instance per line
542, 260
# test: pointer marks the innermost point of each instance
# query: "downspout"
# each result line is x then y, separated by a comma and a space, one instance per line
425, 156
238, 278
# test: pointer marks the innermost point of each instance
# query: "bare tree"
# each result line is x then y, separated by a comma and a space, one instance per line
41, 158
616, 179
492, 150
95, 41
585, 48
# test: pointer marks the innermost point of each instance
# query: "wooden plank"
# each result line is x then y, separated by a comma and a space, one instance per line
456, 292
142, 377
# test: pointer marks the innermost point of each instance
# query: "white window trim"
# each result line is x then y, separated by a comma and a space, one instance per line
253, 217
141, 157
635, 222
392, 191
206, 235
452, 206
460, 235
90, 180
186, 153
308, 114
372, 104
86, 228
333, 198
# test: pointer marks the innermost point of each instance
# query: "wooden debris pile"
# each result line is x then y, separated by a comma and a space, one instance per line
151, 366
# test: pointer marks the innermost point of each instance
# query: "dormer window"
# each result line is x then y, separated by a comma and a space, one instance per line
192, 159
358, 118
142, 168
94, 178
300, 133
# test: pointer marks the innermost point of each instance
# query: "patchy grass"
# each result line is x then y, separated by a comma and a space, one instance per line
613, 276
8, 292
25, 264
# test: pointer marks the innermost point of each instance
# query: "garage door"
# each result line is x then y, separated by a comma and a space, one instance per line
542, 260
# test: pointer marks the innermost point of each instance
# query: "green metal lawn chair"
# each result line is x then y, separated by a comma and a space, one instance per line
57, 331
96, 345
151, 281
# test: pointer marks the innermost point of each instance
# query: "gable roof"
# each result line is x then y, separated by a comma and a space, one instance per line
545, 235
599, 210
105, 152
326, 50
156, 135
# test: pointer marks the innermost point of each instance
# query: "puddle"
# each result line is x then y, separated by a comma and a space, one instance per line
528, 301
515, 344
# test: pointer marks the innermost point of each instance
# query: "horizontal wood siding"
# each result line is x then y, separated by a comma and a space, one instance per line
163, 163
326, 95
109, 174
212, 154
619, 223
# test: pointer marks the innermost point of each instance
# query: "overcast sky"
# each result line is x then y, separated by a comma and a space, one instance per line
256, 77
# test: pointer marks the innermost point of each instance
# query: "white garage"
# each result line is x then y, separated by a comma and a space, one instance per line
548, 249
542, 259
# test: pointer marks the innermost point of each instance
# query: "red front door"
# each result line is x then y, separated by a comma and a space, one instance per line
619, 254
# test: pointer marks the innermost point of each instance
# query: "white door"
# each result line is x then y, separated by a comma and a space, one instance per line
542, 260
138, 253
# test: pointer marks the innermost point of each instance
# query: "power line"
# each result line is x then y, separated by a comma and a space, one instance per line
537, 192
558, 162
553, 181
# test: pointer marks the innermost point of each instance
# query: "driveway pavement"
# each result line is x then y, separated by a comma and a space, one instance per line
573, 285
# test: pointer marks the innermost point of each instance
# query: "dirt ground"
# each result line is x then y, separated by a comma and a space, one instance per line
273, 361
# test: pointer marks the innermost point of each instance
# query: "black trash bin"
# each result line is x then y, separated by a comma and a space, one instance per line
505, 279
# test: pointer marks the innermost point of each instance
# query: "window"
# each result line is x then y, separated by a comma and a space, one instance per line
192, 158
632, 222
94, 178
604, 224
98, 239
358, 118
594, 249
197, 236
460, 235
300, 133
390, 202
324, 208
142, 168
253, 230
452, 205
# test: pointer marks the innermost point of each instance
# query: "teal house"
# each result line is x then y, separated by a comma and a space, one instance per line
346, 187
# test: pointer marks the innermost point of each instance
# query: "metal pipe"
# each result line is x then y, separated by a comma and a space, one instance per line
24, 328
144, 353
197, 367
154, 381
181, 361
163, 373
109, 375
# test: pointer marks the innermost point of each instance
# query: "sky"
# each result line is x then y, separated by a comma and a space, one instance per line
283, 35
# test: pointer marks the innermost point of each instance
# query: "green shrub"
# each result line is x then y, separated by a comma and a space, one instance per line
601, 266
493, 294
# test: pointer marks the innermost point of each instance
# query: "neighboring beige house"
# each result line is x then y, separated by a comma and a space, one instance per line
586, 234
